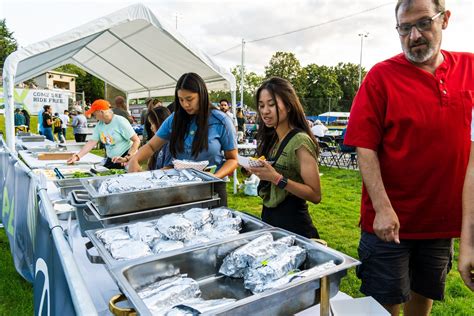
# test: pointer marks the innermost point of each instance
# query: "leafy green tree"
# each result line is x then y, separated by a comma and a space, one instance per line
251, 83
286, 65
92, 86
348, 79
8, 43
322, 88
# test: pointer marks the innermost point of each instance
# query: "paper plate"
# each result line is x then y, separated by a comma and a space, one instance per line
187, 164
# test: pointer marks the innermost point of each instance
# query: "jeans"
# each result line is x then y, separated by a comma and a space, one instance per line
48, 132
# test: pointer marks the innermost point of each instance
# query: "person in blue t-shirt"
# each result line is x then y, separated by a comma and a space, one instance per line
162, 158
195, 131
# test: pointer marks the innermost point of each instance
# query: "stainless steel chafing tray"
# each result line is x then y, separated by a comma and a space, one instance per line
202, 264
132, 201
32, 138
249, 224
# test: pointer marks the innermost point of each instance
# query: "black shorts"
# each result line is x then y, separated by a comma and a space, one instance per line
389, 270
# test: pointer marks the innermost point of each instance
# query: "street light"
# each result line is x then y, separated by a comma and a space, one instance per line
362, 35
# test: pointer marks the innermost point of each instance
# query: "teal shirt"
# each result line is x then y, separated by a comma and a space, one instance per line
115, 136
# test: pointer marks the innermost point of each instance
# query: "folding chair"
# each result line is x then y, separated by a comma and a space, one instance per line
327, 156
347, 155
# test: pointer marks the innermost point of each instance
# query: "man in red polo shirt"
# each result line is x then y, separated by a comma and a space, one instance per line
410, 123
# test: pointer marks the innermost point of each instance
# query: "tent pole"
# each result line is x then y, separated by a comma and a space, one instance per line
8, 96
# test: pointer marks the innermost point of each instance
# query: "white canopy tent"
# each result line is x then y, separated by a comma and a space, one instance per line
130, 49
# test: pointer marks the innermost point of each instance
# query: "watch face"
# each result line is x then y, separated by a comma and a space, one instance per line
282, 183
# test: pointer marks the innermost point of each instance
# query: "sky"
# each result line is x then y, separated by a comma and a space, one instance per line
216, 25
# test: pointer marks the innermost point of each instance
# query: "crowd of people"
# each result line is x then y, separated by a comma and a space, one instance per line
412, 200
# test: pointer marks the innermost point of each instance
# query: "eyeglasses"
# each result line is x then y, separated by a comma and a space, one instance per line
422, 25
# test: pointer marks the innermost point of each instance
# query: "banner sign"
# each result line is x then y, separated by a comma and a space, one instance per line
50, 289
19, 216
33, 100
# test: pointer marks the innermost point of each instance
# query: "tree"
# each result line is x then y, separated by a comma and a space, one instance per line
322, 89
251, 83
92, 86
287, 66
8, 43
348, 79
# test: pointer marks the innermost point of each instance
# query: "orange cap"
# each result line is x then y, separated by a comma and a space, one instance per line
98, 105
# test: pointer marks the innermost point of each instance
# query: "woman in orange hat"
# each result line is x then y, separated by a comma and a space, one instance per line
114, 131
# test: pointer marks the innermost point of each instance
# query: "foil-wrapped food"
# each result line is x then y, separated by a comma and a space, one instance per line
175, 227
107, 236
147, 180
178, 295
198, 306
128, 249
144, 231
161, 296
170, 232
198, 217
263, 261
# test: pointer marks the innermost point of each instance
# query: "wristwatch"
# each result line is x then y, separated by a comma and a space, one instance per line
282, 183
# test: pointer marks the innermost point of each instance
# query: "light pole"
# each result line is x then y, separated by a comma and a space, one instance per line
362, 35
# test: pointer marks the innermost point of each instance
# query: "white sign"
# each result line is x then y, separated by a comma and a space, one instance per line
33, 100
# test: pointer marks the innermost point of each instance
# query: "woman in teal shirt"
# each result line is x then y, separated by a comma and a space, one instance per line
195, 131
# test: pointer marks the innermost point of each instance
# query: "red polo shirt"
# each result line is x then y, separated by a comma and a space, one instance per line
419, 125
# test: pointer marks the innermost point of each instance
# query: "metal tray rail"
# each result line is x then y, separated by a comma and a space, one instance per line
113, 220
126, 202
203, 263
249, 224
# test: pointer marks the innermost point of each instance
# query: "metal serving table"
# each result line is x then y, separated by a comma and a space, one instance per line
202, 264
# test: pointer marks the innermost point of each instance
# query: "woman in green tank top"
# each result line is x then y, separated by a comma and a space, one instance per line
285, 138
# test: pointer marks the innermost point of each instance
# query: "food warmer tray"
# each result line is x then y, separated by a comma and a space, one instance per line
203, 263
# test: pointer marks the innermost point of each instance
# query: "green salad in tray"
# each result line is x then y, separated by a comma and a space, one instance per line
111, 172
80, 174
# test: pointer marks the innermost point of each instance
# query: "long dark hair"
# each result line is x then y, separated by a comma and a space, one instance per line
194, 83
157, 116
267, 136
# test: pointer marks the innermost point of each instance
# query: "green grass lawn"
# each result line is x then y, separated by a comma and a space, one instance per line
336, 218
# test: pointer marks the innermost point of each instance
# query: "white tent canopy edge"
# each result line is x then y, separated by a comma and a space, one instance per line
130, 49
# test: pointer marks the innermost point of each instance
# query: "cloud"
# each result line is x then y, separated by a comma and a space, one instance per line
215, 25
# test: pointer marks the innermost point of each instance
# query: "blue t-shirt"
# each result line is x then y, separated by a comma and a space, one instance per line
221, 137
40, 120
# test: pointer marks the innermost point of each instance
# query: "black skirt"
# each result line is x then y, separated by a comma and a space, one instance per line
291, 214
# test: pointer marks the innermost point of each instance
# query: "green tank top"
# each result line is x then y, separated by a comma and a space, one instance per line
288, 165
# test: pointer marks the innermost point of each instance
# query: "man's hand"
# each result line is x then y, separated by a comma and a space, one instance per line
466, 264
386, 225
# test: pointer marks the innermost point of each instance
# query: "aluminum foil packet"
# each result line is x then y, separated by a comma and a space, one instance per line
198, 306
175, 227
124, 184
168, 294
218, 233
296, 275
221, 214
107, 236
129, 249
198, 216
196, 240
144, 231
235, 262
234, 223
162, 245
255, 279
